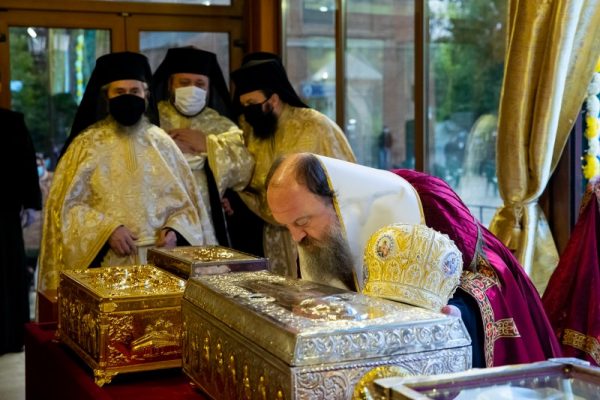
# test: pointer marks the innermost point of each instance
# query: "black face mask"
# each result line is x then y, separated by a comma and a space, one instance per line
127, 109
263, 123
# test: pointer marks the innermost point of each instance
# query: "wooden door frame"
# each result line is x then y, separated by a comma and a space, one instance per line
145, 22
111, 15
119, 7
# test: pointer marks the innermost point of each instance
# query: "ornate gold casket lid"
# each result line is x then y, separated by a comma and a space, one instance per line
127, 282
305, 323
181, 260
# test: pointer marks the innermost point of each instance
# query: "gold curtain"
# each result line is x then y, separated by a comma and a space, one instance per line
551, 51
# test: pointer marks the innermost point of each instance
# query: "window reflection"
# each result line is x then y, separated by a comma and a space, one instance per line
155, 45
466, 59
310, 57
464, 56
49, 68
379, 81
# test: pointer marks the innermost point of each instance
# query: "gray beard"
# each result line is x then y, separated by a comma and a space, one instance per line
330, 258
133, 129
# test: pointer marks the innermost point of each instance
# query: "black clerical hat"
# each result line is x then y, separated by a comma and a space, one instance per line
192, 60
187, 59
110, 68
265, 74
261, 55
120, 66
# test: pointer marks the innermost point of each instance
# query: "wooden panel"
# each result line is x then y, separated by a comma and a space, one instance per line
137, 23
124, 7
262, 26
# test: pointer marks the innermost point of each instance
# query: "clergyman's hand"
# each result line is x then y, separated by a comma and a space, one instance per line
28, 216
122, 241
191, 141
451, 310
227, 206
166, 238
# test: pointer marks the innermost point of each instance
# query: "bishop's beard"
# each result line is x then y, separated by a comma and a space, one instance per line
329, 258
264, 124
135, 128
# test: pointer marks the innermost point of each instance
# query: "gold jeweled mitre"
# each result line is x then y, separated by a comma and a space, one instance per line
413, 264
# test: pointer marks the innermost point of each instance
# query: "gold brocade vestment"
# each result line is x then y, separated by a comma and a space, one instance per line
111, 176
209, 122
245, 168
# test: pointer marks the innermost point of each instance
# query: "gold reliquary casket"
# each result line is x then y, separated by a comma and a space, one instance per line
191, 261
121, 319
256, 335
557, 379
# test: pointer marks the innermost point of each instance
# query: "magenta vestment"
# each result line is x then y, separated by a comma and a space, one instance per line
572, 298
516, 329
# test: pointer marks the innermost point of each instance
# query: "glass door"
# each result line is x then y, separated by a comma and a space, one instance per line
51, 56
154, 35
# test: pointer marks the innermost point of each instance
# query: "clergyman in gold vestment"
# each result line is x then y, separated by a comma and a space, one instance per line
275, 122
121, 183
193, 104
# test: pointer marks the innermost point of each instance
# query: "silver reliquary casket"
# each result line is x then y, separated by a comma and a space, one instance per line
258, 335
121, 319
190, 261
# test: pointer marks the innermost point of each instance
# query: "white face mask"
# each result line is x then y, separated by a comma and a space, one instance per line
190, 100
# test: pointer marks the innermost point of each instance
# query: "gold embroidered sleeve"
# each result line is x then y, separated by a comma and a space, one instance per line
230, 161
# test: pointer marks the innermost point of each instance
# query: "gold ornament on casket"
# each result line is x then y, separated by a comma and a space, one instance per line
121, 319
191, 261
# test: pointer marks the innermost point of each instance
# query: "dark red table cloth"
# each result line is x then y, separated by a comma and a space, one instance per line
53, 371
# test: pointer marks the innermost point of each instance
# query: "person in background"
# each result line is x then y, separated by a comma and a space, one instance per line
32, 222
121, 184
20, 179
332, 207
194, 103
45, 176
572, 297
275, 121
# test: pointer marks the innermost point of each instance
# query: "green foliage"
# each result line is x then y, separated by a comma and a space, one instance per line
467, 56
32, 99
49, 109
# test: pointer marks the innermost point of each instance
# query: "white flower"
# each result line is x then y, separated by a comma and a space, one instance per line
594, 147
593, 105
594, 86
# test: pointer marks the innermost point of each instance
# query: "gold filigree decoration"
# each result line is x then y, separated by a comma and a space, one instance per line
206, 253
246, 383
262, 388
160, 338
125, 281
476, 285
506, 328
103, 377
413, 264
364, 389
232, 370
585, 343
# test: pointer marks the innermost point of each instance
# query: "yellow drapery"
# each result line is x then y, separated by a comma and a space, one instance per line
551, 52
